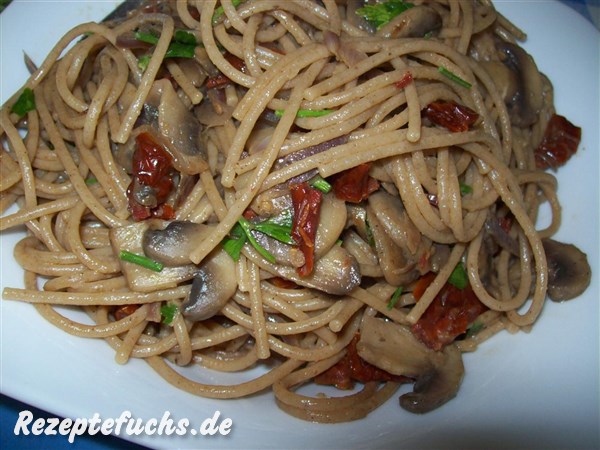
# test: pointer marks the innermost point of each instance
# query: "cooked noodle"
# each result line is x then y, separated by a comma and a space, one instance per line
67, 164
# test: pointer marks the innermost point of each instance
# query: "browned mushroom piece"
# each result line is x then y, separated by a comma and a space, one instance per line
336, 272
213, 286
398, 243
173, 244
569, 273
181, 129
333, 216
393, 348
527, 98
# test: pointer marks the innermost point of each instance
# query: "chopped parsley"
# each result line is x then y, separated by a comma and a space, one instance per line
320, 183
183, 45
465, 188
220, 11
395, 297
452, 76
278, 227
168, 312
141, 260
380, 14
475, 328
24, 104
302, 113
458, 277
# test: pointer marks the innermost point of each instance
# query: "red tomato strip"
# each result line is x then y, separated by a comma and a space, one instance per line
220, 80
354, 185
353, 368
450, 115
559, 143
448, 316
406, 79
307, 206
152, 166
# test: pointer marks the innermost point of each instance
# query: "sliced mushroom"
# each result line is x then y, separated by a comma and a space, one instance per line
390, 212
213, 286
399, 269
179, 127
337, 272
415, 22
525, 104
357, 218
363, 253
434, 388
505, 79
393, 348
569, 273
140, 279
273, 202
284, 254
172, 244
332, 221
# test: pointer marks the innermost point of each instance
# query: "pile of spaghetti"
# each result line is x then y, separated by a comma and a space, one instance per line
331, 192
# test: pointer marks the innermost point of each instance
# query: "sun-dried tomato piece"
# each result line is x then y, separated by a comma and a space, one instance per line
450, 115
354, 185
152, 169
448, 316
353, 368
560, 141
220, 80
124, 310
307, 206
283, 283
406, 79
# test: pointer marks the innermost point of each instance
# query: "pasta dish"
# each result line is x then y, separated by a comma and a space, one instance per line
341, 193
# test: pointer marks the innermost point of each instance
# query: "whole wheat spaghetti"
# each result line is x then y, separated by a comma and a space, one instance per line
339, 192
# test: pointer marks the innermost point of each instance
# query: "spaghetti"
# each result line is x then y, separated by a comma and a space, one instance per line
338, 192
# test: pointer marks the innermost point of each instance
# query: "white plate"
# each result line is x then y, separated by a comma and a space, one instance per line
536, 390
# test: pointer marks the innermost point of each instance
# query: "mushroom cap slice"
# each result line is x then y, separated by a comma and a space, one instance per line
569, 273
336, 273
213, 286
173, 244
393, 348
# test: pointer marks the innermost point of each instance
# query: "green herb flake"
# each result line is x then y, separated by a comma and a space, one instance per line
395, 297
452, 76
143, 62
247, 226
465, 189
380, 14
185, 37
458, 277
475, 328
277, 227
183, 45
220, 11
234, 243
303, 113
148, 38
141, 260
24, 104
281, 232
168, 312
318, 182
90, 181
